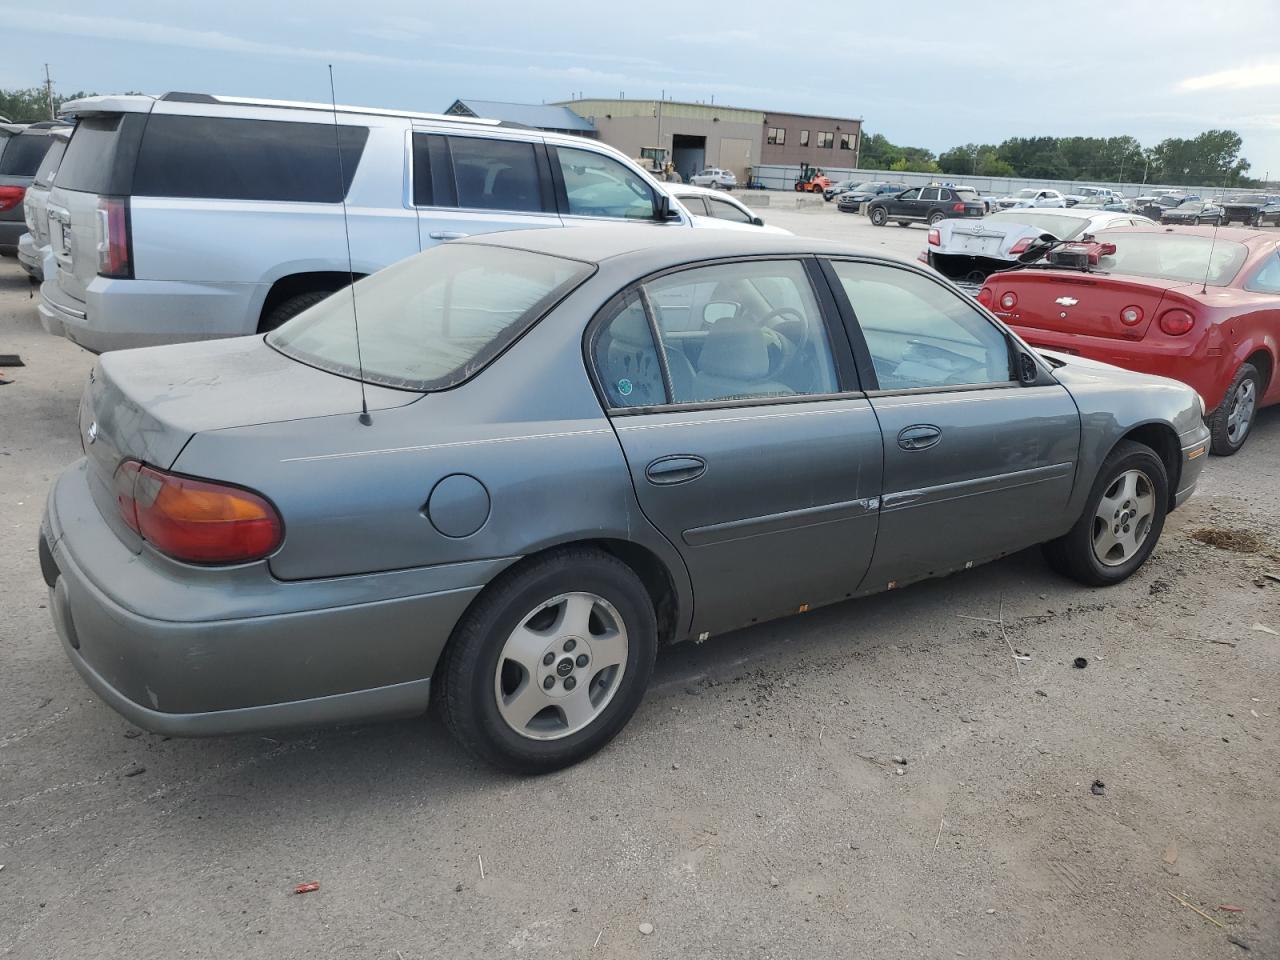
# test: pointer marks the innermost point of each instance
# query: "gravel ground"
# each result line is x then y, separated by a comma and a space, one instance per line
753, 807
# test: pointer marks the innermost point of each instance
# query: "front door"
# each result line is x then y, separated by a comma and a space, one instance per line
748, 443
976, 464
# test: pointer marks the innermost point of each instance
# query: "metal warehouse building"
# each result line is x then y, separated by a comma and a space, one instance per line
691, 135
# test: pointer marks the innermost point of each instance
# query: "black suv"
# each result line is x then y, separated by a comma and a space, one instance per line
866, 192
1252, 209
927, 205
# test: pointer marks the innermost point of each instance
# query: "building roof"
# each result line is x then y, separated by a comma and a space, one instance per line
539, 115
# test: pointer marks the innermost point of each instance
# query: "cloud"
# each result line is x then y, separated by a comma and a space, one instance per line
1239, 78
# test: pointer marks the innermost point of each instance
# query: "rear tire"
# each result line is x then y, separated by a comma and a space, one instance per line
1104, 550
479, 662
936, 218
290, 307
879, 216
1231, 424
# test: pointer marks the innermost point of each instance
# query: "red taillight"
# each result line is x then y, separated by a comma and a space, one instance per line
1176, 322
113, 238
1021, 246
10, 197
986, 297
198, 521
935, 237
1009, 300
1131, 316
957, 208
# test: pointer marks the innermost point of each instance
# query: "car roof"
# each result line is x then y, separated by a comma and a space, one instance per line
679, 188
673, 246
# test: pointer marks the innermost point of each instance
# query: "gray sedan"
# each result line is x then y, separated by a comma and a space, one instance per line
579, 445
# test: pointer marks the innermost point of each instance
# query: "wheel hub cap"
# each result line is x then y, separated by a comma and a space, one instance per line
561, 666
1240, 414
1123, 518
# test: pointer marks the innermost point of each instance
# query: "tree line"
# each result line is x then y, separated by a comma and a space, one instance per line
1211, 159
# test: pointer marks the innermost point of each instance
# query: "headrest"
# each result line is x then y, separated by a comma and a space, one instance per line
735, 348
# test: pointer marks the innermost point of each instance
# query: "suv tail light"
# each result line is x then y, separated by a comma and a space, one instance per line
935, 237
197, 521
10, 197
986, 297
1176, 322
114, 248
957, 208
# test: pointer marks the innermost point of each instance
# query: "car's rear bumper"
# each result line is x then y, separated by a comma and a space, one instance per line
31, 257
119, 314
149, 637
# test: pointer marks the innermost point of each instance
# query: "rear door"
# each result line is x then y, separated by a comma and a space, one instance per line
975, 463
749, 444
905, 206
468, 185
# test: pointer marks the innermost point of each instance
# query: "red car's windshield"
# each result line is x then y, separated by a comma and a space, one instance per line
1174, 256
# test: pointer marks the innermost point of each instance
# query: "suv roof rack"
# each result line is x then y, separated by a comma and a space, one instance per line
179, 96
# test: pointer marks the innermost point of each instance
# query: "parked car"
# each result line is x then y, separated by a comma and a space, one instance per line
1095, 196
1032, 197
850, 201
715, 178
1198, 305
35, 253
22, 151
968, 251
188, 216
1252, 209
925, 205
842, 186
1155, 208
714, 210
581, 445
1193, 212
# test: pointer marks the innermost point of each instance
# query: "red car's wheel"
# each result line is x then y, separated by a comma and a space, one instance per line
1231, 422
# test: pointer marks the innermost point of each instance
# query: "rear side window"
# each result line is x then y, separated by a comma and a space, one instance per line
231, 159
495, 174
23, 155
91, 155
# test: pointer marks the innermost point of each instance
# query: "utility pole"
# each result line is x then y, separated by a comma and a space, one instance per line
48, 91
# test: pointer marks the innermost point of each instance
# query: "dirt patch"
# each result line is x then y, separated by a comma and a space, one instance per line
1238, 541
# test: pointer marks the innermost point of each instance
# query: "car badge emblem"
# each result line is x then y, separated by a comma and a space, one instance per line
1067, 301
92, 433
625, 387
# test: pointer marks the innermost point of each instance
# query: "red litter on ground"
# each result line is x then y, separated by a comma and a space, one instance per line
306, 887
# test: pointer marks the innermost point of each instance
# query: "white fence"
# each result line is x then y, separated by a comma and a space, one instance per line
783, 177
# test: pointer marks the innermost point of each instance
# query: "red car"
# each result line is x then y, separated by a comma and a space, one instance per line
1189, 303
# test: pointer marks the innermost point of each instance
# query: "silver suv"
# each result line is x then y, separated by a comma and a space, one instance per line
187, 216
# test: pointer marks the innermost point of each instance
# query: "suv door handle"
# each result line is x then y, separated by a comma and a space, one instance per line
678, 469
922, 436
447, 235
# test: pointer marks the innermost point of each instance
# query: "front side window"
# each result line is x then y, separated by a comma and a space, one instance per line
228, 158
599, 186
825, 139
724, 210
912, 194
431, 321
919, 333
777, 135
804, 138
736, 331
495, 174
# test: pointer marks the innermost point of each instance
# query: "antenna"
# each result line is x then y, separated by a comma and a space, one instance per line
1204, 285
346, 231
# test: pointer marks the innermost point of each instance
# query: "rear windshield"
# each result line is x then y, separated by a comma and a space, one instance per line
23, 155
431, 321
234, 159
49, 165
966, 193
88, 161
1174, 256
1064, 228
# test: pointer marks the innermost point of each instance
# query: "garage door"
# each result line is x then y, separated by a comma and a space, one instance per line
735, 155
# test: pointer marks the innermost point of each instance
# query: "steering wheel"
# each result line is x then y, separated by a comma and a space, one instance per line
790, 347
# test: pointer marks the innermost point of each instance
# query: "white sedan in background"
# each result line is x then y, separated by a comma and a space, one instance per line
711, 208
968, 251
1032, 197
715, 178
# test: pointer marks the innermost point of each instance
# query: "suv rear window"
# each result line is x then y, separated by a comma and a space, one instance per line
90, 158
224, 158
21, 158
431, 321
49, 165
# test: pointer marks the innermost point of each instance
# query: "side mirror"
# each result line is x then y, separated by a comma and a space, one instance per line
717, 310
665, 210
758, 221
1028, 369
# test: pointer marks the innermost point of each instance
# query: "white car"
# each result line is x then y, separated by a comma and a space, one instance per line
1093, 195
1033, 197
968, 251
715, 178
713, 209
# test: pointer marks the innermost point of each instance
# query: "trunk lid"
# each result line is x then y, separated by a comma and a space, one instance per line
146, 404
1088, 304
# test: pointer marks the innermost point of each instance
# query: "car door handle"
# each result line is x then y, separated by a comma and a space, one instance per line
922, 436
679, 469
447, 235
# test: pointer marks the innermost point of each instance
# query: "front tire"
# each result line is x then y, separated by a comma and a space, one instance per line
1121, 522
550, 662
1230, 424
879, 216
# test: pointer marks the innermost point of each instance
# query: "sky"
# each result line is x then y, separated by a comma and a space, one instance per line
938, 75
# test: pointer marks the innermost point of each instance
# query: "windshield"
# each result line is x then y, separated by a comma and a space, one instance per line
1174, 256
1167, 201
868, 186
1249, 198
1061, 226
431, 321
1026, 194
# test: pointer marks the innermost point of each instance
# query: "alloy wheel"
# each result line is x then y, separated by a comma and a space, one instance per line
1123, 518
561, 666
1240, 413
